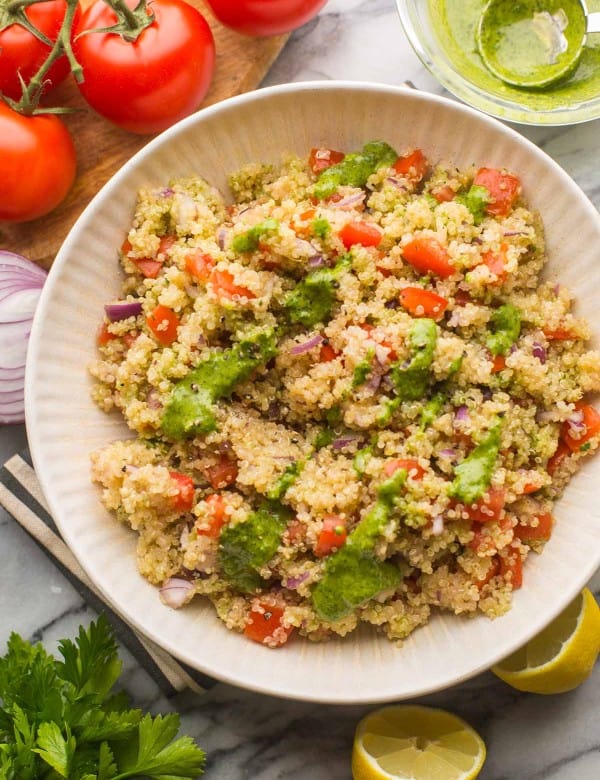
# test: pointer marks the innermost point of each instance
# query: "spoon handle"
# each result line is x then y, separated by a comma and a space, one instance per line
593, 22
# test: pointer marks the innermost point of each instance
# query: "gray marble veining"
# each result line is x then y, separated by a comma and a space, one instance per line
247, 735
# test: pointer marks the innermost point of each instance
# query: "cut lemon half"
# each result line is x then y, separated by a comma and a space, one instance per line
406, 742
562, 656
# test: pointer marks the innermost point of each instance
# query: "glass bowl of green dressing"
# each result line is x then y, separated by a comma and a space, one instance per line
443, 34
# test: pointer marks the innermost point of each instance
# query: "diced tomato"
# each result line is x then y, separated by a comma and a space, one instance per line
423, 303
331, 537
224, 285
413, 467
163, 323
303, 227
493, 570
511, 567
265, 625
149, 268
183, 500
126, 247
414, 165
554, 462
199, 265
327, 353
427, 255
542, 531
529, 487
488, 508
165, 244
443, 194
591, 423
496, 262
320, 159
103, 335
462, 297
363, 233
558, 334
504, 189
216, 508
222, 474
498, 363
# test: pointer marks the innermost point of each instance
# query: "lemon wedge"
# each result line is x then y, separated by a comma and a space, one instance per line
408, 742
562, 656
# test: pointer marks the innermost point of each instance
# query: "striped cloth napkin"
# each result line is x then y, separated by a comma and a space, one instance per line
22, 497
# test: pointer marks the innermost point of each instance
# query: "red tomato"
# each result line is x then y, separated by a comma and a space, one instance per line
511, 567
443, 194
199, 265
541, 532
148, 84
23, 53
558, 334
103, 336
504, 189
320, 159
423, 303
222, 474
163, 323
224, 285
265, 17
384, 342
165, 244
327, 353
332, 536
496, 262
37, 164
216, 506
362, 233
498, 363
413, 467
149, 268
591, 428
427, 255
265, 625
555, 461
183, 500
490, 507
413, 165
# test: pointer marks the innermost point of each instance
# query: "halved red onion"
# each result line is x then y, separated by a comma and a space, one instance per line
175, 592
539, 352
122, 310
306, 346
21, 282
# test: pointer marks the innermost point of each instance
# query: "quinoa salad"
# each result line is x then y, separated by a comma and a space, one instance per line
354, 398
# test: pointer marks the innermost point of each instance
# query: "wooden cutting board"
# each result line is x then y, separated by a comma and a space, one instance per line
242, 62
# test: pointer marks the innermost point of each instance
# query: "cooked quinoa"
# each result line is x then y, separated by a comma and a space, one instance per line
354, 398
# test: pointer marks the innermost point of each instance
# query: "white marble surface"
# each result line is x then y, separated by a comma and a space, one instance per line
251, 736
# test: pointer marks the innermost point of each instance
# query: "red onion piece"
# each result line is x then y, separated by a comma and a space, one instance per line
349, 202
293, 582
344, 441
122, 310
316, 261
448, 452
461, 414
514, 233
153, 400
399, 184
306, 346
539, 352
174, 593
221, 237
21, 282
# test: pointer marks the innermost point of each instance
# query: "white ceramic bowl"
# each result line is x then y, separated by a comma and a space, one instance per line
64, 426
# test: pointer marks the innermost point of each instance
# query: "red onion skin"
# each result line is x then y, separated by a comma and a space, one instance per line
306, 346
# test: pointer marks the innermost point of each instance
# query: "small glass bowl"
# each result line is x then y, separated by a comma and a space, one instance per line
495, 98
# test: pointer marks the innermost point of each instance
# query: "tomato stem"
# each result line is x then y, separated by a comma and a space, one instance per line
13, 12
32, 92
131, 22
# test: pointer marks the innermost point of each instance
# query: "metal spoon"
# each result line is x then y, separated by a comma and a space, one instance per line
534, 43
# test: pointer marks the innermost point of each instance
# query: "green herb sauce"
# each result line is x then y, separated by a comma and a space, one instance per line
250, 240
355, 168
506, 329
411, 381
311, 300
472, 477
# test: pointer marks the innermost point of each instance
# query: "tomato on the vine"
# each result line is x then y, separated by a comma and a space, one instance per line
265, 17
147, 84
37, 164
21, 52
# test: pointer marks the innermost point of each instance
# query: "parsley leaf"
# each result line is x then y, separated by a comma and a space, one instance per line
60, 719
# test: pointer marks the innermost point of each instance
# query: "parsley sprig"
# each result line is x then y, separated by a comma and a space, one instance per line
61, 719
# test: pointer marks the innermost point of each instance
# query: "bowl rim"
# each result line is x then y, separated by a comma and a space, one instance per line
464, 89
353, 696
